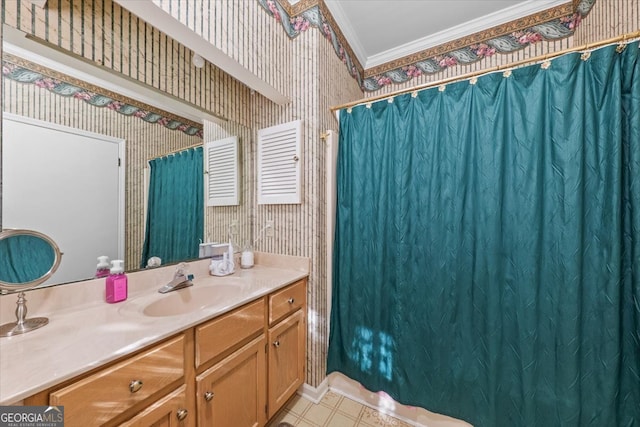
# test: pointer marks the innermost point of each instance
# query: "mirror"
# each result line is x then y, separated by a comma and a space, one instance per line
75, 176
27, 258
24, 94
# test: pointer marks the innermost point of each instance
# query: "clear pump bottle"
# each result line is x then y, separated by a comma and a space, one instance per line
102, 270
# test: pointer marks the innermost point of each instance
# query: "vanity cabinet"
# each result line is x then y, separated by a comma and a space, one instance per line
231, 363
248, 386
232, 392
287, 337
170, 411
103, 396
235, 370
218, 337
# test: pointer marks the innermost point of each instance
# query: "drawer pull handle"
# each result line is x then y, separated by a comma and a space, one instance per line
276, 344
135, 385
182, 414
208, 396
291, 300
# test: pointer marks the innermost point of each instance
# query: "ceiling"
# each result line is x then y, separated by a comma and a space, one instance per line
380, 31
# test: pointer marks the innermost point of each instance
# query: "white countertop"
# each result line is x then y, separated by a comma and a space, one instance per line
85, 332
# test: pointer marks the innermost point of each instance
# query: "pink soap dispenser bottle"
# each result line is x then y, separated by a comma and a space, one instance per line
116, 288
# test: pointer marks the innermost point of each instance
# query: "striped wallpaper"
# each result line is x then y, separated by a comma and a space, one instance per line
219, 218
241, 30
305, 68
608, 19
103, 32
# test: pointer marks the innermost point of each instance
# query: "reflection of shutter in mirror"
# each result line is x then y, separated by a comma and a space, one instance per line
222, 178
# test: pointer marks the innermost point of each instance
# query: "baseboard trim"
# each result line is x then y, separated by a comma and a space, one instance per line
314, 394
419, 417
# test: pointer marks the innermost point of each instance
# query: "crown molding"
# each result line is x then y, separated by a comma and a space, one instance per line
340, 18
461, 31
487, 34
551, 23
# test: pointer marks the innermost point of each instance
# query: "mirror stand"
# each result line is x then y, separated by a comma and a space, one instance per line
22, 324
27, 259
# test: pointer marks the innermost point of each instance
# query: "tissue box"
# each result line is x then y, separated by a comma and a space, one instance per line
211, 250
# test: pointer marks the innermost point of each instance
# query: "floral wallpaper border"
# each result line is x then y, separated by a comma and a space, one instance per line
23, 71
319, 18
474, 48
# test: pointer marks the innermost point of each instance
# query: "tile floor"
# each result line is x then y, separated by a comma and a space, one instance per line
334, 410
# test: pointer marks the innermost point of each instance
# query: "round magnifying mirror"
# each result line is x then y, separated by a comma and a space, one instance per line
27, 259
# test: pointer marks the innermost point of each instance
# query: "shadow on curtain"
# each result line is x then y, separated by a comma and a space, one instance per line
175, 213
487, 253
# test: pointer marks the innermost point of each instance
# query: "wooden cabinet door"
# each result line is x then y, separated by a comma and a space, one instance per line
232, 393
103, 396
287, 346
170, 411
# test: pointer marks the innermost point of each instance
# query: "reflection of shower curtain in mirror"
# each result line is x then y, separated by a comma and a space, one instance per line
175, 217
24, 258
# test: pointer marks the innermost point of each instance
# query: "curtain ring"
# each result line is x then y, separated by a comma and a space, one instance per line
414, 94
349, 110
473, 80
621, 47
585, 56
390, 100
546, 64
441, 88
506, 74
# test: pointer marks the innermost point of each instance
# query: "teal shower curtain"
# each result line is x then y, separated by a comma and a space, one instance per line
487, 247
175, 212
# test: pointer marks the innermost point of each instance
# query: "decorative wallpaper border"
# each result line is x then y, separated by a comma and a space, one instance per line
553, 24
27, 72
320, 18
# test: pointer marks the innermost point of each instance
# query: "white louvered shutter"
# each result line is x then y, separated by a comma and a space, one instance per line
280, 164
222, 178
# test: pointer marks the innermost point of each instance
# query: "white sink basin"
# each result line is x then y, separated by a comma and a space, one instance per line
184, 301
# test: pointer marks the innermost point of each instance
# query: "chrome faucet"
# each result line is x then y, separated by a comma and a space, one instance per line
181, 279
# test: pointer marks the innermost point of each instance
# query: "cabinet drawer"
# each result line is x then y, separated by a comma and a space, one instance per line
227, 331
169, 411
287, 301
101, 396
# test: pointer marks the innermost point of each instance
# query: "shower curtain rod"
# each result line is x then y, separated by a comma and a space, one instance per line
623, 39
168, 153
